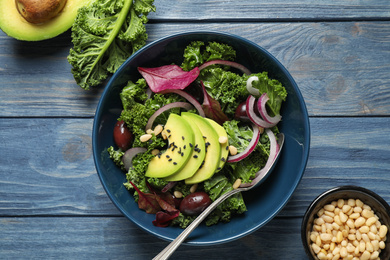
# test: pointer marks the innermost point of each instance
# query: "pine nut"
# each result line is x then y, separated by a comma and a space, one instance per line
164, 135
158, 129
193, 188
364, 229
232, 150
354, 215
145, 137
382, 231
343, 217
365, 256
316, 248
382, 245
351, 202
155, 151
346, 208
178, 194
329, 207
340, 203
237, 184
223, 139
359, 222
367, 213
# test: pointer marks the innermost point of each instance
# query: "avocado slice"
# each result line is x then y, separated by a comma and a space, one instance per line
225, 146
197, 156
16, 26
213, 149
180, 135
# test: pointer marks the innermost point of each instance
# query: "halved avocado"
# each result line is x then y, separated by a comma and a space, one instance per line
213, 149
180, 135
16, 26
225, 146
196, 158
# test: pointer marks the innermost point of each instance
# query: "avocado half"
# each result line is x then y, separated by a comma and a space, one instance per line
14, 25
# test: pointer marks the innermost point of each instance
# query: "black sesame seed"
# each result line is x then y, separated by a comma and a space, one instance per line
204, 137
182, 137
219, 168
167, 156
227, 147
168, 130
184, 147
170, 160
191, 145
174, 163
195, 156
223, 159
182, 154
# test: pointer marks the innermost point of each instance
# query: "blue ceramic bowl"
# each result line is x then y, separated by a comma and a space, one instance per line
264, 202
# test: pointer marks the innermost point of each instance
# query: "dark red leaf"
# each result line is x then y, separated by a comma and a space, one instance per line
212, 108
147, 201
163, 219
168, 77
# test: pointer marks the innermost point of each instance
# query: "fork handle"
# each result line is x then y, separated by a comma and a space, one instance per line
168, 251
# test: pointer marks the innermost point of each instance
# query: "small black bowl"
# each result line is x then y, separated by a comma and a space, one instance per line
377, 204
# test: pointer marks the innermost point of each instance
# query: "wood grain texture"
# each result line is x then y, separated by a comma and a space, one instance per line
118, 238
341, 68
52, 204
209, 10
50, 171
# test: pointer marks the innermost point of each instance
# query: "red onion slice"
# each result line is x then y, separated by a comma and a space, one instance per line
227, 63
250, 111
169, 186
274, 149
128, 156
251, 146
263, 111
253, 91
188, 97
184, 105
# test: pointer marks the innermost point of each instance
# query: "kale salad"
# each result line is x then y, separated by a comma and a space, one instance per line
190, 132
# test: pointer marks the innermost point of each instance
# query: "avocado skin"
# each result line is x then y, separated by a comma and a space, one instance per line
174, 158
213, 150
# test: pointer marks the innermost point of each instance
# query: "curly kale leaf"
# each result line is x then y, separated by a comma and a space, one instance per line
197, 53
215, 187
274, 89
104, 34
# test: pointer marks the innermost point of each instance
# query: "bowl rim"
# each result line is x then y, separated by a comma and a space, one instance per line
324, 195
306, 137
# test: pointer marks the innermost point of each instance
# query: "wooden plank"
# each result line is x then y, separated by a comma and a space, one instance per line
118, 238
47, 167
341, 68
275, 10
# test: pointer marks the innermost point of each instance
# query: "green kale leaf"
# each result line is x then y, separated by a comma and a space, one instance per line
104, 35
225, 86
275, 90
197, 53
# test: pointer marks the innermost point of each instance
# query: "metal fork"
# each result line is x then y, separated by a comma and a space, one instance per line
168, 251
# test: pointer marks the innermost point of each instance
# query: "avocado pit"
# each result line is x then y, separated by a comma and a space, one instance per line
39, 11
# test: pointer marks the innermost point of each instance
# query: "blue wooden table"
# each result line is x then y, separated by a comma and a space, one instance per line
52, 204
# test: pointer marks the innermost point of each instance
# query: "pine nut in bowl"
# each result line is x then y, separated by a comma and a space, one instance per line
347, 222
